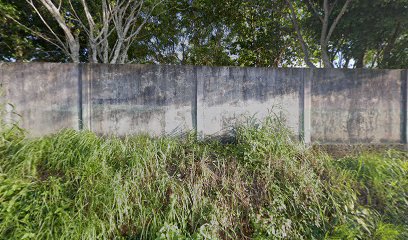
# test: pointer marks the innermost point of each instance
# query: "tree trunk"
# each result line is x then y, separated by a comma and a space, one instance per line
390, 46
325, 56
299, 35
74, 51
346, 62
360, 60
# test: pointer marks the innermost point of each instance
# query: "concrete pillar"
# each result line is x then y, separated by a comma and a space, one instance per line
194, 100
404, 107
84, 88
307, 105
201, 73
80, 98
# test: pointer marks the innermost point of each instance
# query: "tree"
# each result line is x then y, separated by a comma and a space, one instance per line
336, 33
261, 36
230, 32
17, 43
373, 34
323, 13
109, 28
10, 38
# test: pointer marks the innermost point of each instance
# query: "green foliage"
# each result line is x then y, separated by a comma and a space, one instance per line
18, 43
382, 183
261, 185
371, 33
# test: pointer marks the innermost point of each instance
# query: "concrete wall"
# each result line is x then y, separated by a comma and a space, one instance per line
320, 105
46, 95
358, 106
230, 94
132, 99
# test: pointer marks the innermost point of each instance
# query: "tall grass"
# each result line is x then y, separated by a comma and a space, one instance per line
262, 185
381, 182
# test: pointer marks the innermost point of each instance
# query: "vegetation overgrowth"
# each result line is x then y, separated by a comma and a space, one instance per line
260, 185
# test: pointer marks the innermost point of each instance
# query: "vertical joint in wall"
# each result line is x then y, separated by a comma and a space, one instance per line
194, 101
404, 107
301, 131
80, 99
307, 105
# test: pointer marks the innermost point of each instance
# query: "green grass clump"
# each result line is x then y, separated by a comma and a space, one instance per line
381, 181
260, 185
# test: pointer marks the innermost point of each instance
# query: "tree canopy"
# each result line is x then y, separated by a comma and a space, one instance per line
267, 33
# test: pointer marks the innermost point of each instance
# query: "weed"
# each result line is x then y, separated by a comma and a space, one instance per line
261, 185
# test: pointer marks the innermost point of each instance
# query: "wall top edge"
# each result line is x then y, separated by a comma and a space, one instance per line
3, 64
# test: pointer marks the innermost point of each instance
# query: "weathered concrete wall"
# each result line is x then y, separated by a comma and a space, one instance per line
321, 105
357, 106
132, 99
46, 95
230, 94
